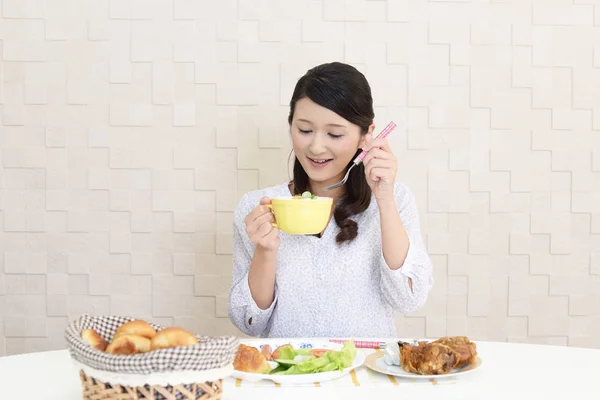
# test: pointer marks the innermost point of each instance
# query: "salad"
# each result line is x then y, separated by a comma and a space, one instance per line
306, 361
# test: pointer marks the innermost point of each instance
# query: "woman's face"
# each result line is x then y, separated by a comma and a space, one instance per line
323, 142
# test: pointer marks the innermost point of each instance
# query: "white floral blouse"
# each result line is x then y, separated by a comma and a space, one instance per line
323, 289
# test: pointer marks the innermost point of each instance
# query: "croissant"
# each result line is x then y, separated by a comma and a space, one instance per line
94, 339
172, 337
129, 344
249, 359
137, 327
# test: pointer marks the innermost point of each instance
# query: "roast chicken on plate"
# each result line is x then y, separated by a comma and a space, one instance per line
438, 357
465, 351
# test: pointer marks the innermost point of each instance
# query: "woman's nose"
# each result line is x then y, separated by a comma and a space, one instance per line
316, 145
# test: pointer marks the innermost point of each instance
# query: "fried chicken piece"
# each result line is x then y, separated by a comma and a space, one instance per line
427, 358
249, 359
464, 349
266, 351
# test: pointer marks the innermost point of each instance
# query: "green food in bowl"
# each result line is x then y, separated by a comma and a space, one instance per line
308, 195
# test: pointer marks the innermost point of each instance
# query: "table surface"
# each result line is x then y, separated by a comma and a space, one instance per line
521, 371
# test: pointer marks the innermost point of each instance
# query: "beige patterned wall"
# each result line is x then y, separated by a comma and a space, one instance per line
130, 128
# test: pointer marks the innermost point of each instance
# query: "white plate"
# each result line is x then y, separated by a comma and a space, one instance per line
376, 363
302, 378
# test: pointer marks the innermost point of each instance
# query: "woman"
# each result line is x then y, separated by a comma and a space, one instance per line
369, 261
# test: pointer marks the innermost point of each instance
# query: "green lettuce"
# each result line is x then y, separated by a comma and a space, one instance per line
287, 353
330, 361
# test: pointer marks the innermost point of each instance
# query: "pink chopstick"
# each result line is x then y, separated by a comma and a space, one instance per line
386, 131
361, 344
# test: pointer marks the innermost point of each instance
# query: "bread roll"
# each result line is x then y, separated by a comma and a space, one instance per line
94, 339
137, 327
172, 337
129, 344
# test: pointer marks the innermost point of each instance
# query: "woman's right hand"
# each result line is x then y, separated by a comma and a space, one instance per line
259, 227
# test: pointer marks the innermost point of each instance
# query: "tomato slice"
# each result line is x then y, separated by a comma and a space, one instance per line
319, 352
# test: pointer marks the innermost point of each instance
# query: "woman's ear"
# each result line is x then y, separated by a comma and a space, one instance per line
363, 139
371, 129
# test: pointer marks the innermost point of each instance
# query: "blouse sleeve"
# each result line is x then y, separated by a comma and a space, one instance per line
243, 310
417, 265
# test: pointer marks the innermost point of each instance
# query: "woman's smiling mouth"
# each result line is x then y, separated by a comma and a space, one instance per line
319, 163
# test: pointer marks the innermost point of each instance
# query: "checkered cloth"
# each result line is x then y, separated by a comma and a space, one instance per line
210, 353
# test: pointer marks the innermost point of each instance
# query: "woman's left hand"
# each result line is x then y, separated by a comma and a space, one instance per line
380, 168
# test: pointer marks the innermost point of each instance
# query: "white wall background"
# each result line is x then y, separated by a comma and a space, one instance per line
130, 128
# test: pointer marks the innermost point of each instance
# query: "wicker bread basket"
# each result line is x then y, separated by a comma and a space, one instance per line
193, 372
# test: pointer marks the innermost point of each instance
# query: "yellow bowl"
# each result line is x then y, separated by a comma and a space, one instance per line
301, 216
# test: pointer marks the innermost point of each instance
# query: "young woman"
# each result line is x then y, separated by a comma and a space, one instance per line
368, 262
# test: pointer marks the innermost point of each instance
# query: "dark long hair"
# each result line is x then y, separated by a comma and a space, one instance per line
344, 90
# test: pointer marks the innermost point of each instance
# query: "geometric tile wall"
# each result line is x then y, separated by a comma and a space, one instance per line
129, 129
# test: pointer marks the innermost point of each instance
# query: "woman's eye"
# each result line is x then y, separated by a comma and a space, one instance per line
303, 131
335, 136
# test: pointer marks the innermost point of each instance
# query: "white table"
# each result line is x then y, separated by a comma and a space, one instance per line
513, 371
